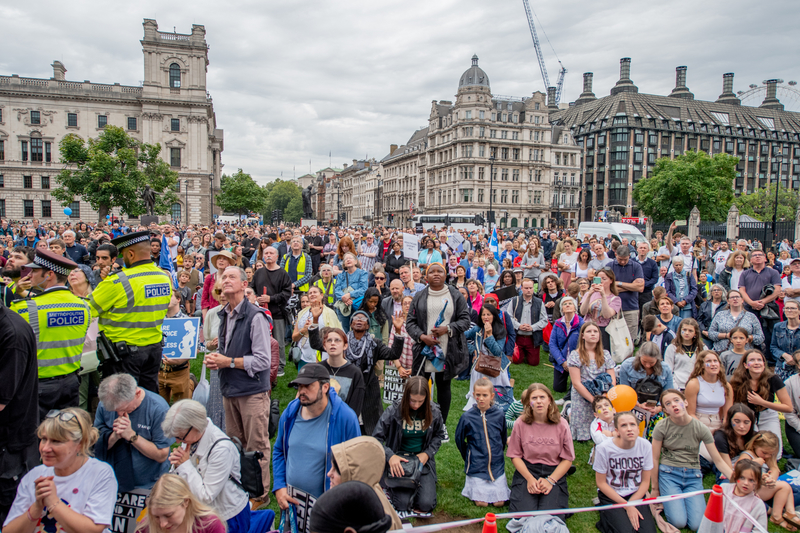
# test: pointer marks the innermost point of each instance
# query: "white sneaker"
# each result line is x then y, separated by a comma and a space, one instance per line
560, 401
446, 438
281, 373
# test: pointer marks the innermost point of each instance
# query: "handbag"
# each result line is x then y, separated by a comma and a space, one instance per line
488, 364
249, 468
412, 473
648, 389
621, 344
202, 389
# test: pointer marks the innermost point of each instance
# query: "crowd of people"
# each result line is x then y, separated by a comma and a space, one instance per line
90, 407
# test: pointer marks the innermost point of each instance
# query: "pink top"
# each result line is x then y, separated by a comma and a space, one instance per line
614, 302
545, 444
407, 356
205, 524
477, 303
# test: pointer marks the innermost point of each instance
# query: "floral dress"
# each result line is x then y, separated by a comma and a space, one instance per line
581, 415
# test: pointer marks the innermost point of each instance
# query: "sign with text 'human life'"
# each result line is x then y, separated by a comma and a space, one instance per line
181, 337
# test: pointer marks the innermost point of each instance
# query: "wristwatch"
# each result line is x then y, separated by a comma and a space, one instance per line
233, 363
134, 438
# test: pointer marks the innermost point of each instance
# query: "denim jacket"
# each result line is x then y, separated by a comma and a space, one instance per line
784, 340
475, 334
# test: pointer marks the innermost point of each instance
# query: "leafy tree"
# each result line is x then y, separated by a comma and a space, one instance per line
760, 203
240, 194
111, 171
694, 178
280, 195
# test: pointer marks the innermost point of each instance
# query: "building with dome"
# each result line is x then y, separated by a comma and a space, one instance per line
479, 147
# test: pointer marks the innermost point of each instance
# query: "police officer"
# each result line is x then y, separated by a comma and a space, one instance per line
132, 305
59, 320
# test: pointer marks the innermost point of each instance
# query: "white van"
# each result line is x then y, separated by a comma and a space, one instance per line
603, 229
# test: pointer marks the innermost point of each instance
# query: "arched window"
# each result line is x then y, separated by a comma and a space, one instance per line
175, 76
514, 222
176, 212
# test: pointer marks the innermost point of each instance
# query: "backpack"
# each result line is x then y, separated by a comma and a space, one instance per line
648, 389
250, 469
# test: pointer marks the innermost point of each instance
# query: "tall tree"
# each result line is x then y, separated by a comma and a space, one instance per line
112, 171
280, 196
760, 203
694, 178
240, 194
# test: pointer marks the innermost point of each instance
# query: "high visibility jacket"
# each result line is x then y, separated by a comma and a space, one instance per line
301, 269
132, 304
59, 320
327, 293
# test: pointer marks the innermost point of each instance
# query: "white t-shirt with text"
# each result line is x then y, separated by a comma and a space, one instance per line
623, 468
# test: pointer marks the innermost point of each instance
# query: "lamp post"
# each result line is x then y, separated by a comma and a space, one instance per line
491, 188
779, 159
378, 202
338, 203
187, 202
559, 186
211, 196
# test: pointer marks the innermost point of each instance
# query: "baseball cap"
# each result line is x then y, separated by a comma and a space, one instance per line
309, 374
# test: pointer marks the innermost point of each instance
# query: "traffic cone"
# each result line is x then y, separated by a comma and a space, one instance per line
490, 523
712, 519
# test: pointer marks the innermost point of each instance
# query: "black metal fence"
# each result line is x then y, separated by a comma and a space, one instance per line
755, 231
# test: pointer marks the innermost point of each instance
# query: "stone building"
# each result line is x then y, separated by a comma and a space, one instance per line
621, 136
445, 168
172, 109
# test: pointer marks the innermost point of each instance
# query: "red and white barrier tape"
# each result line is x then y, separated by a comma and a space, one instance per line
747, 515
502, 516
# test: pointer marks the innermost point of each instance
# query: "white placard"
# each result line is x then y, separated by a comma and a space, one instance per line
411, 246
454, 240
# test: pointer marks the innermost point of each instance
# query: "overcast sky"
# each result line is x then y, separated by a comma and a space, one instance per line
293, 81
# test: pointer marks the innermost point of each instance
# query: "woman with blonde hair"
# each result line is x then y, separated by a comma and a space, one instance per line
71, 491
172, 507
708, 394
736, 264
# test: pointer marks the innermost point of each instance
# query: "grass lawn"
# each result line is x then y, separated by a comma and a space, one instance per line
450, 466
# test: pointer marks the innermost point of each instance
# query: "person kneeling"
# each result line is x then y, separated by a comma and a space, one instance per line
411, 431
171, 506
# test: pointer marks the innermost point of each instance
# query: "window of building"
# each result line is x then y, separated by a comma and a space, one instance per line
482, 150
480, 195
468, 115
505, 174
2, 150
466, 195
516, 154
35, 117
175, 157
24, 145
102, 121
515, 175
492, 134
27, 208
176, 212
504, 151
27, 182
504, 197
505, 135
2, 208
48, 153
515, 197
36, 150
2, 181
482, 131
45, 182
174, 76
132, 123
46, 212
482, 114
175, 124
72, 120
480, 173
537, 197
515, 135
76, 210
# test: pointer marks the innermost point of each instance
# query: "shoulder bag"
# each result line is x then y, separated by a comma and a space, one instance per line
621, 344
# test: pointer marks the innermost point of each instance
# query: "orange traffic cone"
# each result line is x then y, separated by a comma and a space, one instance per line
490, 523
712, 519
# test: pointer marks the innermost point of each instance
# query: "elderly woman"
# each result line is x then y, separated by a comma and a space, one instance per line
490, 278
786, 340
70, 491
563, 340
646, 366
681, 288
709, 309
351, 284
208, 461
733, 316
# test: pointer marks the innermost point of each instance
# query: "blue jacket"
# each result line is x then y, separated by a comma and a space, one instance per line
475, 334
476, 449
547, 249
358, 281
342, 426
466, 265
511, 334
783, 341
630, 376
669, 286
561, 342
650, 273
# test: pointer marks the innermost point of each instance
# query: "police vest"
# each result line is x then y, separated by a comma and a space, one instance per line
327, 293
132, 304
301, 269
59, 320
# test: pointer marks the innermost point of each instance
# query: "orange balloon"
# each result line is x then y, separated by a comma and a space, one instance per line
622, 397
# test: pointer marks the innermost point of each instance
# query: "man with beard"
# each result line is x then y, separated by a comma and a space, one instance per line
16, 286
132, 305
311, 424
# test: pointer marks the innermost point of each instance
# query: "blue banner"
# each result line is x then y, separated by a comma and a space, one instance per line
181, 336
493, 244
165, 259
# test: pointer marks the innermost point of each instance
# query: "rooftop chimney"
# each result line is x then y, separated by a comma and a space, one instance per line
728, 96
587, 95
58, 70
680, 90
551, 99
624, 85
392, 148
771, 101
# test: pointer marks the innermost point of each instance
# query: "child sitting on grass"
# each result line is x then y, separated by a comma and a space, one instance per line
481, 439
743, 492
602, 427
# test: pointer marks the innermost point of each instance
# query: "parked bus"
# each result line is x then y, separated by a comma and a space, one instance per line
456, 221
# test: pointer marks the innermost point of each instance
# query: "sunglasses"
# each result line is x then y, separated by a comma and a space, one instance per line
380, 277
61, 415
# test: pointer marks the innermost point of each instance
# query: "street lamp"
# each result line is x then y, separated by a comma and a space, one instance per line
779, 159
211, 196
491, 188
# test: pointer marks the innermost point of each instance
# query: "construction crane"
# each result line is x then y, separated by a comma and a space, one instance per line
540, 57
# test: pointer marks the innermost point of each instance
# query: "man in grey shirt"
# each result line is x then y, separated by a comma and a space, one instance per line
601, 260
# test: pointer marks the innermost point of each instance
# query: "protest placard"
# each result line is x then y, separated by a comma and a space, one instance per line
410, 246
129, 510
392, 384
181, 337
305, 503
